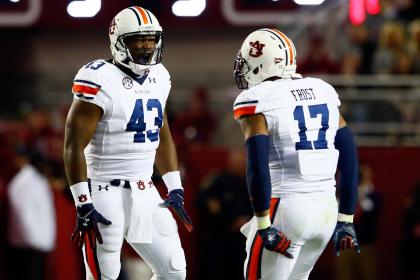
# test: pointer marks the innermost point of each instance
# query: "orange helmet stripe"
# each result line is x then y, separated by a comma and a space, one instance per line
143, 14
288, 42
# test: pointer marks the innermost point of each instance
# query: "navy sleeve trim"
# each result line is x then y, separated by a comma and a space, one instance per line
348, 166
258, 173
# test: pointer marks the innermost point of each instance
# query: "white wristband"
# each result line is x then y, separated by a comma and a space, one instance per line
172, 180
263, 222
345, 218
81, 194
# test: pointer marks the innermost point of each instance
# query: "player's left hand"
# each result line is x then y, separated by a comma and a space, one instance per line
175, 201
344, 237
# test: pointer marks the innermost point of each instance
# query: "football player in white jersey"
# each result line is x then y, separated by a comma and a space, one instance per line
295, 137
116, 130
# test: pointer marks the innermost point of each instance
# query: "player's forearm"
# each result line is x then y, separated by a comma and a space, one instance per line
349, 167
166, 157
258, 178
167, 164
75, 164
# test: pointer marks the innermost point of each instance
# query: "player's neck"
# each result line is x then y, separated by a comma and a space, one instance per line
128, 71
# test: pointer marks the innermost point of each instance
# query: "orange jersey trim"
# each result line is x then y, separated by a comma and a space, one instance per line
84, 89
274, 203
255, 259
254, 263
90, 252
243, 111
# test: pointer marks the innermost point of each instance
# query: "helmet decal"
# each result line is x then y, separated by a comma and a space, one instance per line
278, 60
256, 49
284, 40
142, 15
112, 27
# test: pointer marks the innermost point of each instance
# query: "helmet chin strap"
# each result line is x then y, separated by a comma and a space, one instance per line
138, 69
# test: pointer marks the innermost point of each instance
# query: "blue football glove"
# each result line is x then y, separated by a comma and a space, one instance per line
87, 223
275, 240
175, 201
344, 237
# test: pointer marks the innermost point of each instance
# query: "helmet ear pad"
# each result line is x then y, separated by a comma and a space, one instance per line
122, 55
118, 54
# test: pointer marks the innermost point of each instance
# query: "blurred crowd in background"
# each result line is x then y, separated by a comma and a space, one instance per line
34, 228
380, 46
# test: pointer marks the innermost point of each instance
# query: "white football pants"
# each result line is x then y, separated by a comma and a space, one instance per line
164, 254
308, 220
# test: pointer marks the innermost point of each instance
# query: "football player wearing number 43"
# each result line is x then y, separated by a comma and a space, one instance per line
295, 138
116, 130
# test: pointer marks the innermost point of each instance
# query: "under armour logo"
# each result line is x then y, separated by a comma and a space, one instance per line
86, 222
82, 198
152, 79
100, 188
256, 49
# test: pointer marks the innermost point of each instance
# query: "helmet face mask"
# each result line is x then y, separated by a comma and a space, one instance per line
143, 55
240, 68
136, 39
264, 54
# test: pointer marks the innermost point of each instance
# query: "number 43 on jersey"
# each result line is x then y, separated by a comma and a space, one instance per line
138, 125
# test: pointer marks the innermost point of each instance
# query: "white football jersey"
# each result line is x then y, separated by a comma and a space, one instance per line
302, 118
127, 136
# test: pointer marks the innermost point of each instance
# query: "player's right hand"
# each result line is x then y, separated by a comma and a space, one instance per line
87, 222
275, 240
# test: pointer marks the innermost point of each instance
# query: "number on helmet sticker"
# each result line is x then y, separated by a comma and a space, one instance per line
314, 111
138, 125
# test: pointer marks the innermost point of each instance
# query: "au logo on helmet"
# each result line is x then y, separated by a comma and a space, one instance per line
256, 49
112, 27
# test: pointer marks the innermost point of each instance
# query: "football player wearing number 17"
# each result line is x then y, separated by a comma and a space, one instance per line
295, 138
116, 130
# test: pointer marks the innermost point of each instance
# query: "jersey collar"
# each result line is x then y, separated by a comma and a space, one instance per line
138, 78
